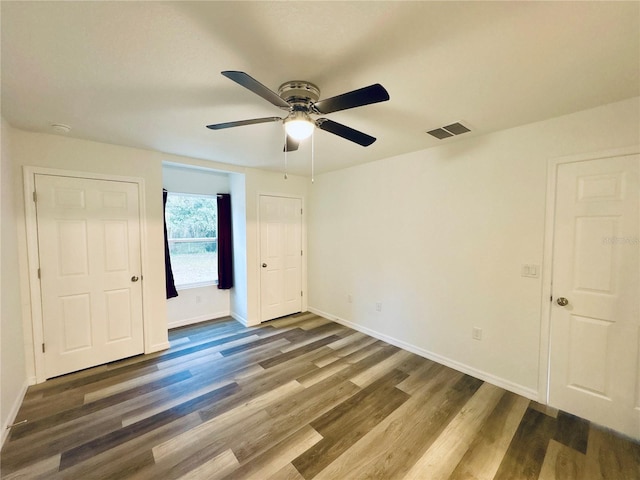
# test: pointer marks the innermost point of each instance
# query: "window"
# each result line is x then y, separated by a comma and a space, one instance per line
191, 231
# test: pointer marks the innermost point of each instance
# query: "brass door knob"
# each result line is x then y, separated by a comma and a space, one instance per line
563, 302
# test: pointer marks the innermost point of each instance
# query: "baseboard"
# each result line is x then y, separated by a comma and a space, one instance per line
14, 412
198, 319
461, 367
239, 318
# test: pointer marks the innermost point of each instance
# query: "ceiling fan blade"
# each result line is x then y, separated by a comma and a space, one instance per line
256, 87
356, 98
220, 126
291, 145
345, 132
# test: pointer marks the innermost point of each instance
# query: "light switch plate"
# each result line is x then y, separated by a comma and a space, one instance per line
530, 270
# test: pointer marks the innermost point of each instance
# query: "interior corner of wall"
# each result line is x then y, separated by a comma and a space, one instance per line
236, 316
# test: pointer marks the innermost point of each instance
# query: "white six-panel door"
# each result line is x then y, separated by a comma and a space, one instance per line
595, 319
90, 268
281, 256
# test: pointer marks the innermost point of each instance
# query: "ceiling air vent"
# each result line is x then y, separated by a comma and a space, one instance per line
449, 131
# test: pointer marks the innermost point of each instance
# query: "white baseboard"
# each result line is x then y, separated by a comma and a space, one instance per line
13, 413
198, 319
461, 367
239, 318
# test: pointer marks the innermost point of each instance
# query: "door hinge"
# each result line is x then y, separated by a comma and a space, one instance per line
300, 292
43, 348
38, 274
300, 211
35, 196
300, 252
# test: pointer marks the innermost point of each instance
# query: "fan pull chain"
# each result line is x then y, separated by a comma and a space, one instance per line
286, 152
313, 149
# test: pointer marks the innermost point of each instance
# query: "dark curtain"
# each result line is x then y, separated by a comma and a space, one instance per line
168, 271
225, 242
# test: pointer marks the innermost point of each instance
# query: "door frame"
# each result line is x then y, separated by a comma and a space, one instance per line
36, 326
544, 370
303, 259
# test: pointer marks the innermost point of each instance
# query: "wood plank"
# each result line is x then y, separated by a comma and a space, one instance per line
206, 391
292, 413
562, 463
390, 448
444, 454
527, 450
371, 374
216, 468
485, 454
114, 462
225, 420
346, 423
290, 320
345, 404
43, 469
257, 385
19, 454
288, 472
293, 354
352, 336
110, 440
277, 457
611, 457
332, 329
572, 431
98, 406
190, 455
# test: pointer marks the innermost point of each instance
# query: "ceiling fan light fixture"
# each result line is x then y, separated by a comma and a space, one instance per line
298, 125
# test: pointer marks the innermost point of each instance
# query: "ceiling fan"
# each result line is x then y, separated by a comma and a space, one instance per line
300, 99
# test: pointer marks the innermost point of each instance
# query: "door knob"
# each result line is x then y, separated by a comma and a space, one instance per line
134, 279
264, 265
562, 301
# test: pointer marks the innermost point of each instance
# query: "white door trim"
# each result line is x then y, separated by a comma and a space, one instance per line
305, 300
547, 270
37, 336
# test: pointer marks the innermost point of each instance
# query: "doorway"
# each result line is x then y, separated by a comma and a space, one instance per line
594, 313
280, 256
87, 249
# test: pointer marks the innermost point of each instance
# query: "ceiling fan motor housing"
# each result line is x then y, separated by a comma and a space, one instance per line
299, 93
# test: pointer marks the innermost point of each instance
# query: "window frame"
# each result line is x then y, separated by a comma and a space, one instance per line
171, 241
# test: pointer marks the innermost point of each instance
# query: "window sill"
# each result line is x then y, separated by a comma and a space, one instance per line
189, 286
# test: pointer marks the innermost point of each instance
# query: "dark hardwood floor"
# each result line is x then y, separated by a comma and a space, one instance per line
297, 398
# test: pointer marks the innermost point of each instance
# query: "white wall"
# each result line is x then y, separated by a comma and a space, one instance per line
245, 186
13, 380
239, 294
185, 178
258, 182
59, 152
198, 304
439, 237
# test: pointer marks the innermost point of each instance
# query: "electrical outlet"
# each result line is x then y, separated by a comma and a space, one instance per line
350, 298
476, 333
378, 306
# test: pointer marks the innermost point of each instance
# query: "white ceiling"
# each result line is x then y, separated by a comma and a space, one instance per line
147, 74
